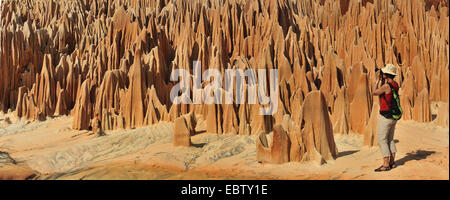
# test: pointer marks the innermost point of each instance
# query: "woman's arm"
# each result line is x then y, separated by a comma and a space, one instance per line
383, 89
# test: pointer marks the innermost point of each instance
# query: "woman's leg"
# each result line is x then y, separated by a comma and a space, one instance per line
391, 143
392, 147
383, 136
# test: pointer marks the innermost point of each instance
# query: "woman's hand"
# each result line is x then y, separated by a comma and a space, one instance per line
379, 83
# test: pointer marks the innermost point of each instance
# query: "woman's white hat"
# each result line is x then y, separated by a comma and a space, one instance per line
390, 69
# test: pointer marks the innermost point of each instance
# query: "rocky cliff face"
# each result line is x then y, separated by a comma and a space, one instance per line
112, 60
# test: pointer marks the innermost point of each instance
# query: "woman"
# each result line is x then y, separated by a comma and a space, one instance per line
386, 124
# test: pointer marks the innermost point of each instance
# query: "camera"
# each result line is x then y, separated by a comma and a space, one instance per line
378, 69
380, 77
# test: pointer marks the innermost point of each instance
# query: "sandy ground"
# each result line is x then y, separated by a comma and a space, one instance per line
52, 150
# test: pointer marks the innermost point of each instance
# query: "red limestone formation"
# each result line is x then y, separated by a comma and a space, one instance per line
370, 132
317, 132
184, 128
443, 115
276, 152
313, 141
83, 107
112, 60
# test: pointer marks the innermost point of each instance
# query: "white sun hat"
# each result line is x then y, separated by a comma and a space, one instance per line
390, 69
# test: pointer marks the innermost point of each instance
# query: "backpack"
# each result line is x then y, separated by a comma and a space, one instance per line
395, 109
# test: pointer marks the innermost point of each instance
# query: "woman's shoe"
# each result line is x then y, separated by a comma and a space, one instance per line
392, 165
383, 168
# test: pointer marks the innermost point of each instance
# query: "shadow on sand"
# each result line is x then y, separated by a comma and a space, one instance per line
200, 145
198, 132
418, 155
346, 153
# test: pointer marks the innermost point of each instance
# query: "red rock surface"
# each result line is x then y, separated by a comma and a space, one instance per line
184, 128
277, 151
312, 141
113, 59
317, 132
443, 115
